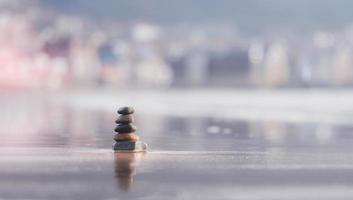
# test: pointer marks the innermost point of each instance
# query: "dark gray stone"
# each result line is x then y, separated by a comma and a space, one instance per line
126, 110
128, 146
125, 128
125, 119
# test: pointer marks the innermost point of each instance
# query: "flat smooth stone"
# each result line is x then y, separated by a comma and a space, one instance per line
126, 137
126, 110
128, 146
125, 119
125, 128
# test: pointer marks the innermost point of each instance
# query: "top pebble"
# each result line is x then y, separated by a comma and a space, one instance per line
126, 110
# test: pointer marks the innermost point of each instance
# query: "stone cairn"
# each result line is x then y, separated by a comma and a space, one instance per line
125, 138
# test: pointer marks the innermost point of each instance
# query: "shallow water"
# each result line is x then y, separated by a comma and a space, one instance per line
51, 150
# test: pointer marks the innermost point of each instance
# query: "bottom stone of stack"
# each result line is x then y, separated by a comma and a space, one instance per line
130, 146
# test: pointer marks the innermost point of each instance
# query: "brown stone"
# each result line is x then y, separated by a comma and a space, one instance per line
126, 137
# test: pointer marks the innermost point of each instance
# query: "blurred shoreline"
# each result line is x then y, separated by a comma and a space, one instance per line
316, 105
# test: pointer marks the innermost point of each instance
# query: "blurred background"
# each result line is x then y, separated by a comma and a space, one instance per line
181, 44
238, 69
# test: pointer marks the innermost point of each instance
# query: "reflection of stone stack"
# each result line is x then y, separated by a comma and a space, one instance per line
126, 138
125, 168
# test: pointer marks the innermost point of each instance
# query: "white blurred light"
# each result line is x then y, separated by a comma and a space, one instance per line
213, 129
323, 39
256, 52
145, 32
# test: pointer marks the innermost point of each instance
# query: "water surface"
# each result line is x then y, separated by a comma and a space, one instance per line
51, 150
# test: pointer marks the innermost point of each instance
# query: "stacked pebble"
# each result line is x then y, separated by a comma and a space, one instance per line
126, 131
125, 137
